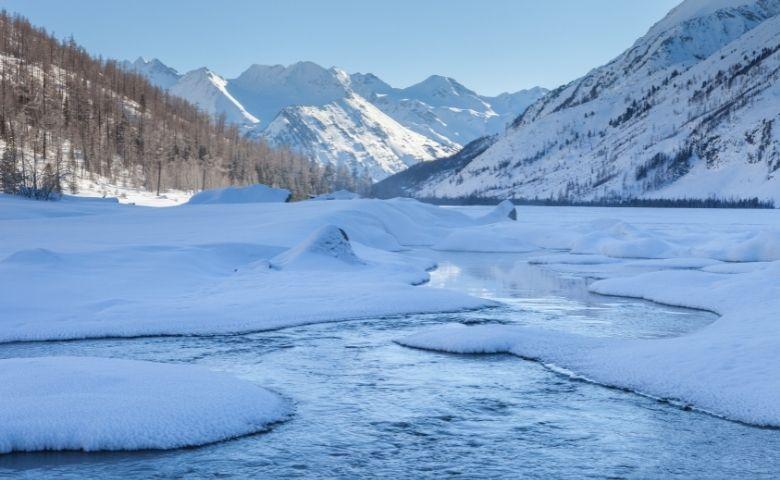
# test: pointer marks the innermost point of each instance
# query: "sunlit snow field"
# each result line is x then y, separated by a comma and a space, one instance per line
363, 404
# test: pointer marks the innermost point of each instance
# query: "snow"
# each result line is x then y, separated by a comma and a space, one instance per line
330, 133
337, 195
490, 238
727, 368
504, 211
208, 91
704, 80
338, 118
257, 193
154, 70
91, 404
324, 248
98, 187
106, 269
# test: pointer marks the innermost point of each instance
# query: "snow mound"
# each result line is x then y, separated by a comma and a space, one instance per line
251, 194
622, 240
85, 403
337, 195
761, 246
488, 238
320, 249
503, 211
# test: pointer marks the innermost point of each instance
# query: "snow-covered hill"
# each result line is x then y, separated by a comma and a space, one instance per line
351, 131
689, 110
356, 120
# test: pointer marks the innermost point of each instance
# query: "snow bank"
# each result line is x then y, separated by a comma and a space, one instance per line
483, 239
250, 194
619, 239
337, 195
204, 269
755, 246
83, 403
728, 368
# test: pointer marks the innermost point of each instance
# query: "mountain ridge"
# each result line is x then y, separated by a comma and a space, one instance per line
435, 117
686, 111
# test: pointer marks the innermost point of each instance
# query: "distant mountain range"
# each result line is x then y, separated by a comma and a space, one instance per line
355, 120
691, 110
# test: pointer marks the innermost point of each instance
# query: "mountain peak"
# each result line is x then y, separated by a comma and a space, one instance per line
692, 9
158, 73
368, 84
441, 91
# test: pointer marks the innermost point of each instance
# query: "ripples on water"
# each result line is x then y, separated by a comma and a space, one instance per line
366, 407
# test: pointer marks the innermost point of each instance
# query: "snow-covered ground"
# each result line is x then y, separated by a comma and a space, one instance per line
725, 261
233, 260
98, 187
83, 403
90, 268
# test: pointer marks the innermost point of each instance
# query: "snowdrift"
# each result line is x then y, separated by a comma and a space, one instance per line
250, 194
205, 269
83, 403
337, 195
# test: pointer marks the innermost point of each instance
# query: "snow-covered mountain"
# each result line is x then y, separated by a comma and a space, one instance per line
353, 132
357, 120
209, 92
690, 110
154, 70
444, 110
267, 90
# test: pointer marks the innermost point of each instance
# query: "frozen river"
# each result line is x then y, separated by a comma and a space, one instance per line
367, 407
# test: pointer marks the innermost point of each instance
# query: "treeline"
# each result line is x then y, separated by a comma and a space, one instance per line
629, 202
66, 115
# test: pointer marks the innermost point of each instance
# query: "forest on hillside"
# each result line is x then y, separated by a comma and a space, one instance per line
66, 115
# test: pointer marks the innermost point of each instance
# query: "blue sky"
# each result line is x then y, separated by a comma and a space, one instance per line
488, 45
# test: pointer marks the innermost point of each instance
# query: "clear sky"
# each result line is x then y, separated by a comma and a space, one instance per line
488, 45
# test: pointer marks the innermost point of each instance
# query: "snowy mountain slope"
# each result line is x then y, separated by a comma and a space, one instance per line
208, 91
445, 111
407, 182
351, 131
689, 110
154, 70
368, 84
267, 90
305, 103
513, 104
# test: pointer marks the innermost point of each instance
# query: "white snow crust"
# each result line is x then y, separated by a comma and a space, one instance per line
84, 268
90, 404
250, 194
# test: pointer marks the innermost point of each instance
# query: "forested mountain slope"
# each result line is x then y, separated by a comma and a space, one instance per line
65, 115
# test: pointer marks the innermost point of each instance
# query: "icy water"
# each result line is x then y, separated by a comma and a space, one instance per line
366, 407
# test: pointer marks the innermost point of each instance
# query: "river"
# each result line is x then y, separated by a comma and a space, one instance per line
367, 407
